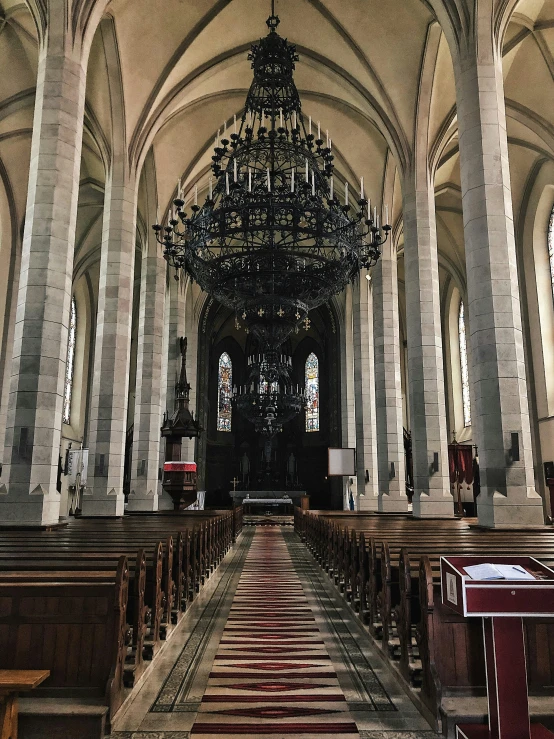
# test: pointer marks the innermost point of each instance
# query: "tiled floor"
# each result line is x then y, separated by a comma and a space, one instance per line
269, 649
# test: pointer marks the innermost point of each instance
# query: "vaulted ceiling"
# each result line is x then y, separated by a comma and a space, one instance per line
180, 69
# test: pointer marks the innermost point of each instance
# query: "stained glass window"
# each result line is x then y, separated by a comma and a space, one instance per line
551, 248
70, 364
312, 393
463, 365
224, 392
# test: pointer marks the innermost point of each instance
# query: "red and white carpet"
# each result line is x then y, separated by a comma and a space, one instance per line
272, 675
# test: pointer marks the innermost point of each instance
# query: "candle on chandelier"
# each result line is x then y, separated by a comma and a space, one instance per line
292, 181
196, 194
211, 189
386, 215
313, 182
307, 170
327, 137
294, 121
330, 144
235, 170
268, 180
310, 125
227, 183
332, 186
374, 215
234, 124
249, 180
318, 130
346, 193
281, 117
361, 188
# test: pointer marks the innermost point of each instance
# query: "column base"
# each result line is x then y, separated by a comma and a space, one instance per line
30, 513
424, 506
140, 501
394, 505
502, 514
109, 506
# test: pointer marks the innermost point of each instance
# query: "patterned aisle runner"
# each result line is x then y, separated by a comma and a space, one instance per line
272, 674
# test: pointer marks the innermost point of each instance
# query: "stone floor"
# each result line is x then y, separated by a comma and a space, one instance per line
269, 649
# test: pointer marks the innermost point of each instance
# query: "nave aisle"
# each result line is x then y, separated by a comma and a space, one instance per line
270, 650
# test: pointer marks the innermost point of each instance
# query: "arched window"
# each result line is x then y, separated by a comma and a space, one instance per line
551, 248
70, 364
224, 392
312, 393
463, 365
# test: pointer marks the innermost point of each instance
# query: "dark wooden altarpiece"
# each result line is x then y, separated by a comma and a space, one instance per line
221, 454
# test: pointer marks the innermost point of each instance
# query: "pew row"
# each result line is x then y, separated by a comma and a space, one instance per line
388, 568
66, 594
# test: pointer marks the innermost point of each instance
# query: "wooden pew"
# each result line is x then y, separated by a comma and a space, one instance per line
71, 623
393, 578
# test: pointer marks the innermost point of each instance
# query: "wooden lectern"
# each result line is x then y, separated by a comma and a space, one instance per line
502, 604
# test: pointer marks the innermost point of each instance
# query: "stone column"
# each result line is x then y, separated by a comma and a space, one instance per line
432, 495
364, 389
508, 496
347, 393
110, 385
148, 409
388, 389
34, 420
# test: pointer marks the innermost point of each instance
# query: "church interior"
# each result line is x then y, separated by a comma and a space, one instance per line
276, 369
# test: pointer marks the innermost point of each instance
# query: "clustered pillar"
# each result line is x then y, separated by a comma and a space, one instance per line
33, 431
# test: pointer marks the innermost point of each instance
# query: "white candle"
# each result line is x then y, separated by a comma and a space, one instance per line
386, 215
369, 206
294, 121
313, 183
235, 170
234, 123
346, 193
361, 188
196, 194
310, 125
377, 223
327, 136
330, 144
211, 189
307, 169
292, 181
332, 188
281, 117
249, 180
268, 181
227, 182
318, 130
374, 215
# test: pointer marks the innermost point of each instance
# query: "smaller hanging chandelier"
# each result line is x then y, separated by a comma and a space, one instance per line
269, 399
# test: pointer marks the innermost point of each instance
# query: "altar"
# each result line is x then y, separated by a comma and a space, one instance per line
240, 496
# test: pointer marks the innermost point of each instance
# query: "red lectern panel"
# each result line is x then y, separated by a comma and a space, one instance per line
502, 603
470, 597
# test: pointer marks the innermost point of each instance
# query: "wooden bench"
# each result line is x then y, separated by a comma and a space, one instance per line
13, 682
388, 568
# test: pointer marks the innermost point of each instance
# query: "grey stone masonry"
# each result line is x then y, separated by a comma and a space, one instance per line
432, 496
388, 389
34, 420
364, 388
508, 497
108, 413
148, 410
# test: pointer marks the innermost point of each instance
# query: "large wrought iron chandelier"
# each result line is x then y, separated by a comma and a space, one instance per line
269, 399
272, 240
